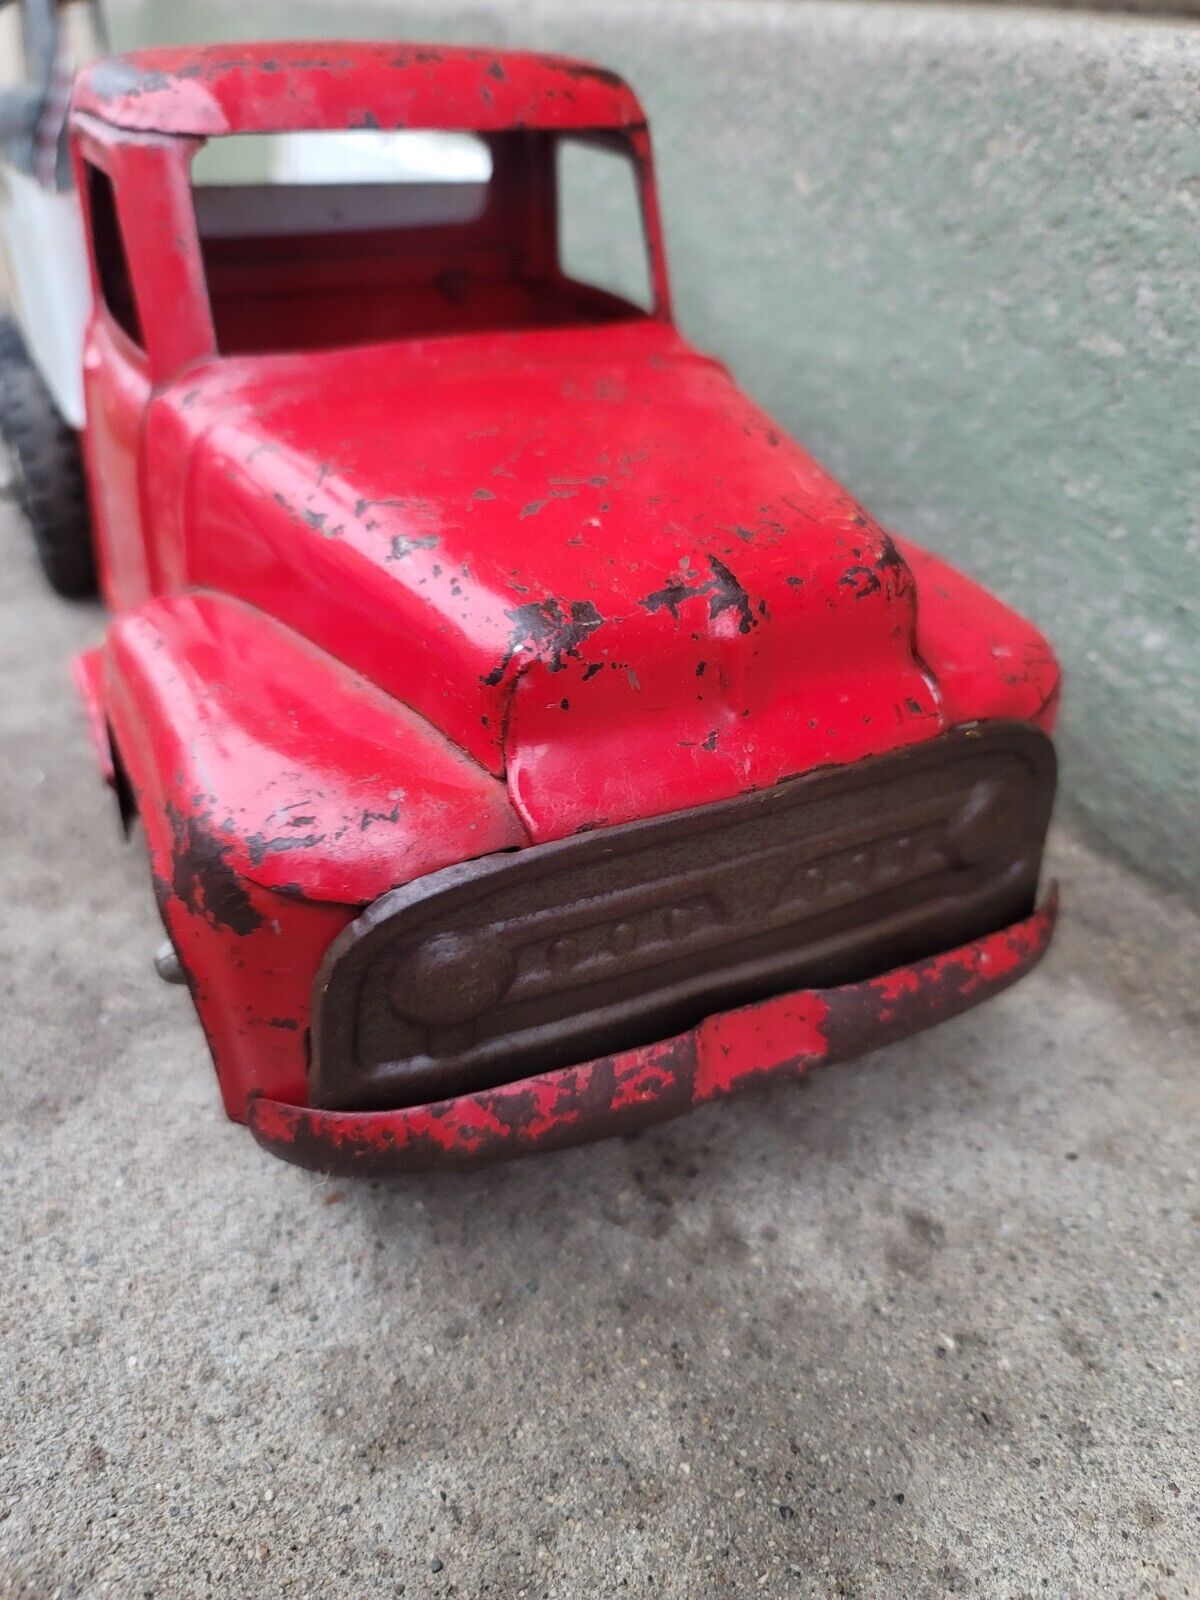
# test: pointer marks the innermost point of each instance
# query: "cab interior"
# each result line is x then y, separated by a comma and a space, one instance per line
315, 247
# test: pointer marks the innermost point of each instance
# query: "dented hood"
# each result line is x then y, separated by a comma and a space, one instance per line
583, 554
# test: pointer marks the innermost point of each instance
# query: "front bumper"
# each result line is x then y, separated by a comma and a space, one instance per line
723, 1054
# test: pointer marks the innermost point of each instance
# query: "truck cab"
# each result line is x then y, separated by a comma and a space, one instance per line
513, 710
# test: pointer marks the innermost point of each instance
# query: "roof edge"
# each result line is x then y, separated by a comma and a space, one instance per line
207, 90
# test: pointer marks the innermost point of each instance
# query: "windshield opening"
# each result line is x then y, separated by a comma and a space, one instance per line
329, 239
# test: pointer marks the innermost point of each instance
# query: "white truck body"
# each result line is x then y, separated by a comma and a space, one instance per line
46, 282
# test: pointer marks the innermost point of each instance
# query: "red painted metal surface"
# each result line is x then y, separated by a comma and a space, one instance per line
273, 87
579, 528
584, 536
780, 1038
88, 672
421, 549
279, 792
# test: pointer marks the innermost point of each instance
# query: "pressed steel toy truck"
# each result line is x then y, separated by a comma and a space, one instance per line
531, 741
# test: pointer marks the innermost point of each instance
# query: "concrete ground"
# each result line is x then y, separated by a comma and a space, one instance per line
923, 1325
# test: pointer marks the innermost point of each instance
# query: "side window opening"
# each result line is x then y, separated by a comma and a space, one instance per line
112, 263
601, 233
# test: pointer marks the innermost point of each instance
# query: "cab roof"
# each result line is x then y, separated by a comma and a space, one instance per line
204, 90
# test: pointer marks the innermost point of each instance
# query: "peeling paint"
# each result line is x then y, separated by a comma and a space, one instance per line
722, 590
548, 632
404, 544
614, 1094
202, 879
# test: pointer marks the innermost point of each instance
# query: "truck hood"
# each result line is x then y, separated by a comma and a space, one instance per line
583, 554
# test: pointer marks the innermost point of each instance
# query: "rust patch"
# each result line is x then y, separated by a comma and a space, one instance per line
369, 818
118, 77
890, 561
722, 590
862, 580
670, 597
203, 880
619, 1093
403, 545
584, 69
548, 633
534, 506
260, 846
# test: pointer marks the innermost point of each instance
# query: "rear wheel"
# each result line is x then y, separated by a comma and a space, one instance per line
47, 470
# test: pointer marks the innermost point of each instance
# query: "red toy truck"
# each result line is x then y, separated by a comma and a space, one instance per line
531, 741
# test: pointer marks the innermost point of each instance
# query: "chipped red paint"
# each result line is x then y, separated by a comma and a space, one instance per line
419, 554
758, 1039
317, 784
627, 573
279, 792
203, 90
725, 1054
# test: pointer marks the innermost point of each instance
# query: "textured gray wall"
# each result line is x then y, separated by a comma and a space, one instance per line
957, 252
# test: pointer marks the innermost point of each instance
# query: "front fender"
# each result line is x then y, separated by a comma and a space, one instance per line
279, 793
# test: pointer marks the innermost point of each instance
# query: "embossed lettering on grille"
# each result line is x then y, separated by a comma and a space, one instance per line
561, 952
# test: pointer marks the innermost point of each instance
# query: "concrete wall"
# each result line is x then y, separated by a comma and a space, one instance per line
956, 251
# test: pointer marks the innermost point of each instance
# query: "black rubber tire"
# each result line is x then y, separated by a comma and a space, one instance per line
47, 469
